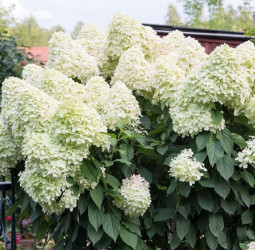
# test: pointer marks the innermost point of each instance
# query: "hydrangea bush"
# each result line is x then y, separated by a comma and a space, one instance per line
126, 140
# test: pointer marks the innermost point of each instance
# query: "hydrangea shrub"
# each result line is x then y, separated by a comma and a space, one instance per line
126, 140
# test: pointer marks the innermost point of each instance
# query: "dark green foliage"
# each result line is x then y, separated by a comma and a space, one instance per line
12, 59
215, 213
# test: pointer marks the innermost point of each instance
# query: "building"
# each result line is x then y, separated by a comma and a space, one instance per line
210, 39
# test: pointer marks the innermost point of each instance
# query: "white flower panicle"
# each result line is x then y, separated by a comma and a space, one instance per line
249, 110
9, 152
33, 74
79, 124
221, 79
172, 42
125, 32
246, 55
94, 40
190, 118
121, 108
247, 155
135, 194
186, 168
71, 58
168, 78
251, 245
135, 72
97, 92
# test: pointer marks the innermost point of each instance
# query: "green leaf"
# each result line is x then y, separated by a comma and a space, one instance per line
222, 187
241, 232
129, 238
134, 228
184, 210
225, 166
201, 140
83, 203
146, 122
200, 156
175, 241
126, 152
229, 206
239, 140
94, 235
162, 149
112, 181
97, 195
184, 189
173, 186
111, 226
164, 214
223, 239
182, 227
191, 237
248, 177
216, 116
144, 172
41, 231
123, 161
216, 224
89, 170
247, 217
96, 216
205, 200
226, 139
211, 240
214, 151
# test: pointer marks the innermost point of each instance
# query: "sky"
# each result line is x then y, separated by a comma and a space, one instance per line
98, 12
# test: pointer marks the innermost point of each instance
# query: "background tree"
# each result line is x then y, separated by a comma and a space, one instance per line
29, 33
76, 29
219, 17
173, 17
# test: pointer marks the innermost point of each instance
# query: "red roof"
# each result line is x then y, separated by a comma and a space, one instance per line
39, 53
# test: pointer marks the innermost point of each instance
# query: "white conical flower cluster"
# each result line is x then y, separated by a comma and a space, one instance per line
71, 58
135, 194
251, 245
121, 108
186, 168
247, 155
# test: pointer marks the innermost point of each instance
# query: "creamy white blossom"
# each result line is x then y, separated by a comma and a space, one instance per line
251, 245
190, 118
135, 194
169, 76
33, 74
71, 58
221, 79
247, 155
9, 152
172, 42
79, 125
97, 92
136, 72
125, 32
94, 40
121, 108
186, 168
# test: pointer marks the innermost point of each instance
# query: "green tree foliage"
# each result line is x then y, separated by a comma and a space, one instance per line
219, 17
173, 17
28, 33
76, 29
12, 59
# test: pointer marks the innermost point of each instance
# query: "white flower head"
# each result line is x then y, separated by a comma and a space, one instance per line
71, 58
135, 194
186, 168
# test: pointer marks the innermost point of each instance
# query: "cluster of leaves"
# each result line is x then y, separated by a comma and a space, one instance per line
215, 213
12, 59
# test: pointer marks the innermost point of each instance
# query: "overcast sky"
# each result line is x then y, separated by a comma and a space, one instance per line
99, 12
